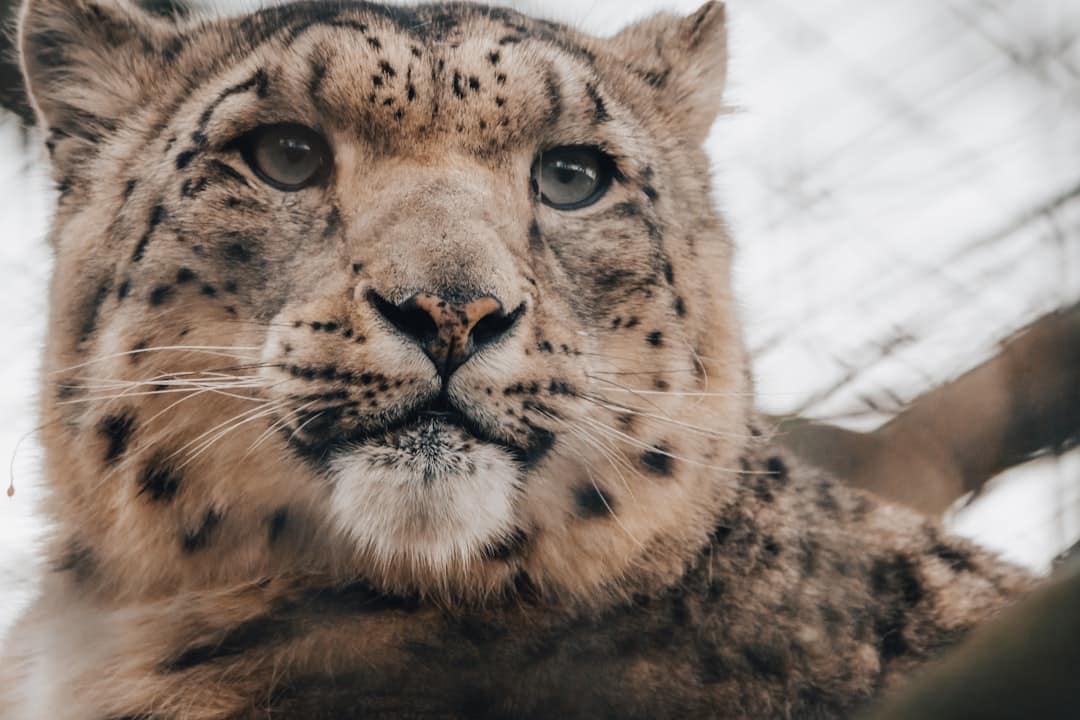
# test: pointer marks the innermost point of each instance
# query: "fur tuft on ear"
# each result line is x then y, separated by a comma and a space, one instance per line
684, 59
89, 62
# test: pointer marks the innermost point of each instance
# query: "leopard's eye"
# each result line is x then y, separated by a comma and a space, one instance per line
288, 157
573, 176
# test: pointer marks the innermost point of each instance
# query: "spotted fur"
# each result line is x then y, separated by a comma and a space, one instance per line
290, 480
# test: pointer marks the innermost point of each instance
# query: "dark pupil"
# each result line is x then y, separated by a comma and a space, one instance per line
294, 150
566, 174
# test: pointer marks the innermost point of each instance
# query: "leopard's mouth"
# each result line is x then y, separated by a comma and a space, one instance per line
323, 436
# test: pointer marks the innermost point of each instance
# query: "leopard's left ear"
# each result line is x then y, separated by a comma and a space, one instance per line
88, 63
683, 60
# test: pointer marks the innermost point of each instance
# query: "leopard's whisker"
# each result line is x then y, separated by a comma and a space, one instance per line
673, 371
612, 455
235, 423
304, 424
602, 446
278, 424
170, 391
207, 433
133, 455
697, 429
704, 371
619, 435
611, 511
620, 386
214, 350
679, 393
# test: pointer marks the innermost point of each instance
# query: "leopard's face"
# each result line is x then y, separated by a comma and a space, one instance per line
434, 297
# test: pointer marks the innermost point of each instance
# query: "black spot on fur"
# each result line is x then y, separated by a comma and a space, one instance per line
762, 490
776, 468
159, 480
591, 502
161, 294
826, 501
657, 461
766, 660
237, 252
184, 275
78, 560
193, 541
116, 429
318, 74
600, 112
669, 273
333, 222
456, 83
157, 216
508, 548
245, 637
770, 546
655, 338
184, 158
539, 445
228, 172
895, 582
655, 78
554, 94
536, 241
680, 307
191, 189
958, 559
92, 309
651, 193
276, 524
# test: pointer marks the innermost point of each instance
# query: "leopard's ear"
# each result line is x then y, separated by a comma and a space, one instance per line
684, 62
89, 62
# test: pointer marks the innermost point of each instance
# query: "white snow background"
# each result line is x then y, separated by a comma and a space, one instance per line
903, 179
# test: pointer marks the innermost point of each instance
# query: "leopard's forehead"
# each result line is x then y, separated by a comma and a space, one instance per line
482, 79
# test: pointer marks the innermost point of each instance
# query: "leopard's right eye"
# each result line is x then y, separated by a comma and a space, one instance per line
288, 157
571, 177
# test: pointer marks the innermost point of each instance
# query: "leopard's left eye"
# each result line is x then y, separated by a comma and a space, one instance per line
289, 157
573, 176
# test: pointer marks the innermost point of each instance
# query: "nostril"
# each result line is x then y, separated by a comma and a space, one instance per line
408, 317
493, 326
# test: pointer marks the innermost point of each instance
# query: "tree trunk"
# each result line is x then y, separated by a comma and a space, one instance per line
950, 441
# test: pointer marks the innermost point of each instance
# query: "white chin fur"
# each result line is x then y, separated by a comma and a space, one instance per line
431, 497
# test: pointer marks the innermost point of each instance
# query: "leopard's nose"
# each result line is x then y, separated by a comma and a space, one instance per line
448, 332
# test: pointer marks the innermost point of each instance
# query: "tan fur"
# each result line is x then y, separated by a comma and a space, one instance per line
207, 331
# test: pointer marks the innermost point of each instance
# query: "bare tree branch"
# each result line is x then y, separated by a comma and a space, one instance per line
953, 439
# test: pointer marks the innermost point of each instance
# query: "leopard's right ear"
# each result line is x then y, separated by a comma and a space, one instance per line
683, 62
87, 63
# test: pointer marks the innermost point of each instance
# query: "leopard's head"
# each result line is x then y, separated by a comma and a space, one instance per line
435, 297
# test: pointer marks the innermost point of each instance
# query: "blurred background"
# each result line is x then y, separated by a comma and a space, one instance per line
903, 181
